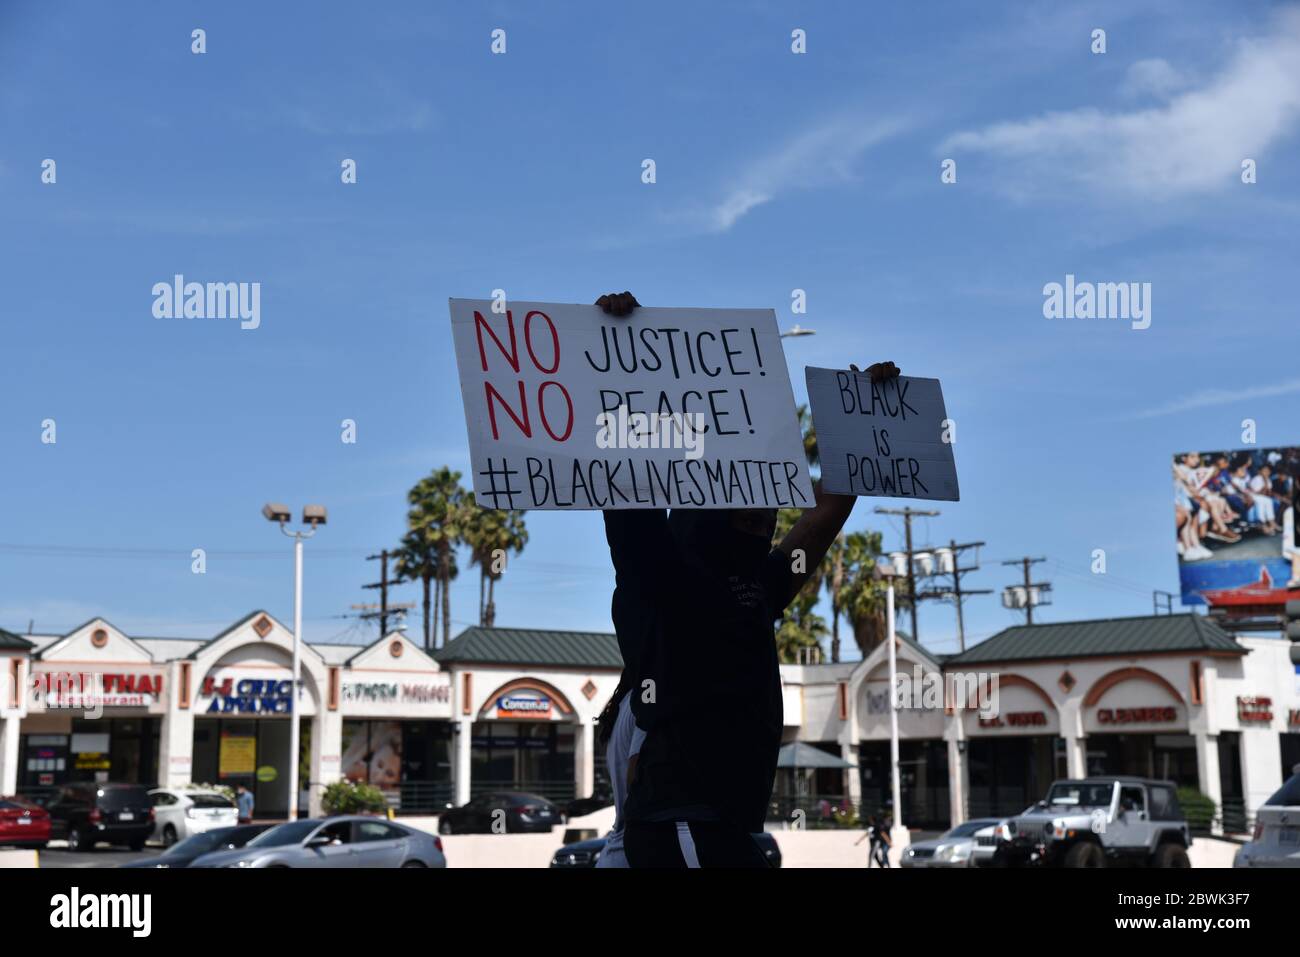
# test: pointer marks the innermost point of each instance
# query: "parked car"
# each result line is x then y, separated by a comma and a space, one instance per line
1096, 821
587, 853
346, 841
184, 853
23, 823
1276, 841
580, 807
519, 813
955, 848
179, 814
86, 813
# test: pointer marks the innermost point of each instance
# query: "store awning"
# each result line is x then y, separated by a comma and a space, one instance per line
797, 754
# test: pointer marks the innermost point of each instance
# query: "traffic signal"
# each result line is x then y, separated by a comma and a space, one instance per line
1293, 628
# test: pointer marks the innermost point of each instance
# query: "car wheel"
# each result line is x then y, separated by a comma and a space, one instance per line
136, 845
169, 835
1085, 854
414, 864
444, 827
1171, 855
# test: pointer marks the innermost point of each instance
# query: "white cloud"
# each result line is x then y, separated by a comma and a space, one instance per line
817, 157
1194, 142
1155, 77
1219, 397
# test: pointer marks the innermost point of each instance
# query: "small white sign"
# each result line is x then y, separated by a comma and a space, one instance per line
891, 438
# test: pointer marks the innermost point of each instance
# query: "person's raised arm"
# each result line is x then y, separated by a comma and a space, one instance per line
638, 538
811, 536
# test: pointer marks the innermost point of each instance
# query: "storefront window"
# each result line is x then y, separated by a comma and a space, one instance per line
537, 757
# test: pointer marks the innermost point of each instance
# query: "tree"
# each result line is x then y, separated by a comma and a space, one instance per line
801, 626
417, 560
491, 535
861, 593
440, 513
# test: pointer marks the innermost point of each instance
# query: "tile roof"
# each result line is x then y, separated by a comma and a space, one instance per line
1146, 634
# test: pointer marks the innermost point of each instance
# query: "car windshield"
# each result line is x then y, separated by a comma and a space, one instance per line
210, 800
1078, 794
113, 799
198, 844
969, 828
1289, 795
293, 833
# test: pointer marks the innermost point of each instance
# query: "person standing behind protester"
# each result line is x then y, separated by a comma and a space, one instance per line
622, 740
244, 801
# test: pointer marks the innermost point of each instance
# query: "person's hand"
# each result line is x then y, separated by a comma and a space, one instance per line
618, 303
880, 371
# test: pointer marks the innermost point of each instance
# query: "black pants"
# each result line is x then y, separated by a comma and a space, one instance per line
691, 844
879, 854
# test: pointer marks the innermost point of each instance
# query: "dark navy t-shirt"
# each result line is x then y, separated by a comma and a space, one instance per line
706, 685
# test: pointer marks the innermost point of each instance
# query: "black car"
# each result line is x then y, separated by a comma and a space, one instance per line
185, 852
518, 812
86, 814
586, 853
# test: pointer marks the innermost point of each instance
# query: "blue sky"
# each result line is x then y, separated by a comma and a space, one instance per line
775, 171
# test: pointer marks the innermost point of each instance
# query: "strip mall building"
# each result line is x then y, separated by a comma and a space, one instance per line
1167, 696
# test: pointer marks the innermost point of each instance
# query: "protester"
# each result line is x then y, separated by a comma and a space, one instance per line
622, 740
697, 594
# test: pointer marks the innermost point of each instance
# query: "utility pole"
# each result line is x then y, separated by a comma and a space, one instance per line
956, 592
1029, 594
907, 514
382, 585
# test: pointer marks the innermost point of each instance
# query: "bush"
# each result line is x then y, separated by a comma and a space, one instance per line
353, 797
1197, 808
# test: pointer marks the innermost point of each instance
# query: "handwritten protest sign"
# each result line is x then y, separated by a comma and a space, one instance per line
891, 438
569, 408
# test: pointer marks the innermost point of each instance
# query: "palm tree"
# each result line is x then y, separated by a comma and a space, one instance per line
861, 593
416, 561
439, 517
492, 534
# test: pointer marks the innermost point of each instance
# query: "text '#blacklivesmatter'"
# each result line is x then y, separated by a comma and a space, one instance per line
603, 483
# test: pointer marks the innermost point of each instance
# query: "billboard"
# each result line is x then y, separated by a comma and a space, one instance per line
1235, 527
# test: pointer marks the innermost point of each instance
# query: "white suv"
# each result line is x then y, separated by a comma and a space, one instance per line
181, 813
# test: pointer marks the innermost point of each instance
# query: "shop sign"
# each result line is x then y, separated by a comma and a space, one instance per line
1254, 709
67, 689
1016, 719
92, 761
391, 692
1162, 715
524, 704
238, 755
248, 696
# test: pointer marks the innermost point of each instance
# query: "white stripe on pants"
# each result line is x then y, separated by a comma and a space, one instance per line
687, 844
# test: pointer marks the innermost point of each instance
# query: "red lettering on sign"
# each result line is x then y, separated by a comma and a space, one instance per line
512, 356
523, 424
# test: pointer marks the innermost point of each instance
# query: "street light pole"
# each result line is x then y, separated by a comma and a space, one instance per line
895, 781
313, 516
295, 729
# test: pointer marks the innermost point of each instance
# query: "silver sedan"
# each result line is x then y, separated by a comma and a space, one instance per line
956, 848
344, 841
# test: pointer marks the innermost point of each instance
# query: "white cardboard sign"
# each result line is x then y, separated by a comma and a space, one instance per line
569, 408
886, 439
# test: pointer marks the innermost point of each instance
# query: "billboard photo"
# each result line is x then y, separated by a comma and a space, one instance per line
1234, 514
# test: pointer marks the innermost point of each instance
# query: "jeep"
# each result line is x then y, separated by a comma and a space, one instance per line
1096, 822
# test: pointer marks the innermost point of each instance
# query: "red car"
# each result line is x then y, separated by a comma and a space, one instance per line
23, 824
